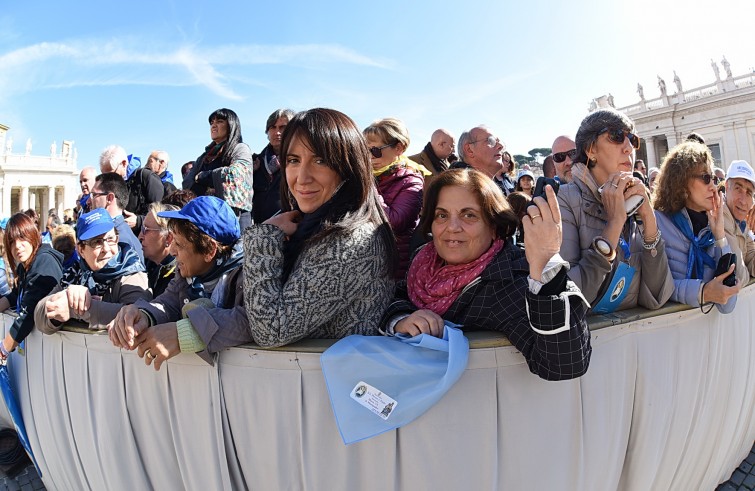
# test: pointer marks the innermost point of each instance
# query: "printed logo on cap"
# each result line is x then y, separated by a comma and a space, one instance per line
92, 218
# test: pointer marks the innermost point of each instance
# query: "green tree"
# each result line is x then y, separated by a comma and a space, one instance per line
542, 151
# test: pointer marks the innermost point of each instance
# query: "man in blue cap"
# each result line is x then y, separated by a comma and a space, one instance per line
205, 295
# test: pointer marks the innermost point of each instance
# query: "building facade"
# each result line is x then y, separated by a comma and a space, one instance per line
37, 182
723, 113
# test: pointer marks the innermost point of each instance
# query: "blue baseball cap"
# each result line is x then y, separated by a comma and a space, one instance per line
212, 216
96, 222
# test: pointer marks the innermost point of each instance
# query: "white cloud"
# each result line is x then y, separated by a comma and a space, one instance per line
98, 62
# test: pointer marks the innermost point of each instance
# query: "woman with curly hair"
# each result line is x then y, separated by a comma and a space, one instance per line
692, 219
617, 256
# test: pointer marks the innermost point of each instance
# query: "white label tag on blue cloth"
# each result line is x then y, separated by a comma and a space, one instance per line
373, 399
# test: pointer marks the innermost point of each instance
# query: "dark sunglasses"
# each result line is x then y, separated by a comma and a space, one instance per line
377, 152
617, 136
561, 156
706, 178
716, 180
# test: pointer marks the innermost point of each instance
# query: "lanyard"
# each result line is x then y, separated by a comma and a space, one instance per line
625, 248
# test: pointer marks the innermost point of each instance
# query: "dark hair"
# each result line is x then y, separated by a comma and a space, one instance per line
549, 167
638, 162
234, 132
678, 167
512, 162
185, 168
179, 198
55, 219
21, 226
32, 213
592, 125
276, 115
335, 138
496, 211
200, 242
110, 182
696, 137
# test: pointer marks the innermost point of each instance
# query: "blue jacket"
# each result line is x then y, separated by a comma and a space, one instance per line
677, 248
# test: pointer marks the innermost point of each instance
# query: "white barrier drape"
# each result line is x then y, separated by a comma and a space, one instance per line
668, 403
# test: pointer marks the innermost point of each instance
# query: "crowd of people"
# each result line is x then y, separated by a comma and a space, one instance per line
331, 231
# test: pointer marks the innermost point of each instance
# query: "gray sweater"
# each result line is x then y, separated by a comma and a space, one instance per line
339, 285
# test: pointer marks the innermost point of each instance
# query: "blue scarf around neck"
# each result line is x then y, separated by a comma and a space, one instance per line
221, 267
125, 263
697, 257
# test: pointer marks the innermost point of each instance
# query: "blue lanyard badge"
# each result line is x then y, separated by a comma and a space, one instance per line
619, 286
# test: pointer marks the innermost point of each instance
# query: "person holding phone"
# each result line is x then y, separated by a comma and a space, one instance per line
692, 218
618, 260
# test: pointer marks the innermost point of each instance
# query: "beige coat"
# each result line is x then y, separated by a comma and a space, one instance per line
584, 218
124, 291
742, 245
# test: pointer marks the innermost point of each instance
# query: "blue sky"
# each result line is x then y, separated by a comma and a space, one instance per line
146, 75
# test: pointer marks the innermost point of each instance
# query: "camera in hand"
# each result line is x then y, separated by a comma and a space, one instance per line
631, 204
723, 266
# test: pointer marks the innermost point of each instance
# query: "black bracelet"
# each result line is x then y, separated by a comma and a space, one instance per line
702, 297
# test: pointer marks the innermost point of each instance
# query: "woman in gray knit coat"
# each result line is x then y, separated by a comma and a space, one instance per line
323, 268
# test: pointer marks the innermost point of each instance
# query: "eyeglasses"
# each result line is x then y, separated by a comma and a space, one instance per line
94, 195
146, 229
617, 136
99, 243
559, 157
706, 178
716, 180
377, 152
490, 141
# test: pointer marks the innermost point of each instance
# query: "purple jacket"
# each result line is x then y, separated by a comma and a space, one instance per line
401, 196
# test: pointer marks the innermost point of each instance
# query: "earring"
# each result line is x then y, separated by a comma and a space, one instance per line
292, 200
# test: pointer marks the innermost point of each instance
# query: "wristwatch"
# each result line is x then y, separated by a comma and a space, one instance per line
603, 247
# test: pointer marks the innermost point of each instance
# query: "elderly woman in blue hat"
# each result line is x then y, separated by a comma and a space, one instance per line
107, 275
202, 309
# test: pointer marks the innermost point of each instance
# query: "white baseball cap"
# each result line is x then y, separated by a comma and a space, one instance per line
740, 169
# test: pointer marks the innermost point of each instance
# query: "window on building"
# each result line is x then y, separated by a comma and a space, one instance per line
715, 150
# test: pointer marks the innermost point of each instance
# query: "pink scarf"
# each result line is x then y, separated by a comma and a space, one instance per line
435, 286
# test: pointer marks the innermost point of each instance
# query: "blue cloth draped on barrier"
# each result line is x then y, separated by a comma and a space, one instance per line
377, 384
15, 412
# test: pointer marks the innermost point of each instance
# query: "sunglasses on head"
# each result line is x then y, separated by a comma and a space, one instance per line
561, 156
377, 152
617, 136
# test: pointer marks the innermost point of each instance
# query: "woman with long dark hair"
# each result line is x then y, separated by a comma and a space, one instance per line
38, 268
225, 168
322, 268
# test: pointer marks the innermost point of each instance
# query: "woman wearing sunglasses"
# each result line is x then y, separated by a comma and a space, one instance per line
617, 254
399, 182
37, 269
692, 219
107, 275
